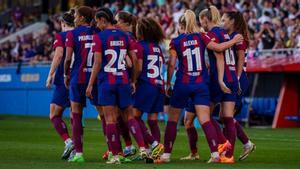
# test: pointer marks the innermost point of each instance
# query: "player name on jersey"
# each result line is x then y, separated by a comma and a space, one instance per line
190, 43
116, 43
85, 37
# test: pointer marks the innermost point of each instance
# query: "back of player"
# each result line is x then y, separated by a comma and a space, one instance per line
114, 84
150, 81
115, 88
60, 99
79, 41
192, 74
219, 35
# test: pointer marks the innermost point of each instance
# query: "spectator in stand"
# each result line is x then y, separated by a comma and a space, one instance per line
266, 35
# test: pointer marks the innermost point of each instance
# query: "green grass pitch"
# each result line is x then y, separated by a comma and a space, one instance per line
30, 142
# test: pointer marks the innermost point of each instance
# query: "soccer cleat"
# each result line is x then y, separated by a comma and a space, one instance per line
77, 159
222, 148
67, 151
72, 155
157, 150
162, 160
213, 160
114, 160
129, 152
227, 160
124, 159
247, 151
105, 155
191, 157
143, 154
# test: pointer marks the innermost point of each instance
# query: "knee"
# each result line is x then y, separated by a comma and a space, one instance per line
188, 123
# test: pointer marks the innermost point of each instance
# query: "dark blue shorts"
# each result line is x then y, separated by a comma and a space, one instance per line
190, 107
115, 95
217, 95
197, 93
61, 96
77, 94
149, 98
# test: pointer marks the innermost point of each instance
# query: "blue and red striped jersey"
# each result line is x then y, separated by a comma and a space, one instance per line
190, 49
60, 39
81, 40
113, 44
219, 35
240, 46
153, 62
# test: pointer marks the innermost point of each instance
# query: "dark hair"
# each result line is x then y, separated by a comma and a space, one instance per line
240, 25
87, 13
150, 30
107, 14
68, 17
128, 18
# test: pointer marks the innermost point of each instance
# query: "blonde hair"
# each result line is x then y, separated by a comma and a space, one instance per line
212, 14
188, 20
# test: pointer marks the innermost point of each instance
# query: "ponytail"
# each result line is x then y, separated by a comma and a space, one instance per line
212, 14
240, 25
188, 20
128, 18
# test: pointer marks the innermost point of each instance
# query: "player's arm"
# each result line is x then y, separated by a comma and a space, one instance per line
67, 63
220, 69
128, 61
58, 54
240, 62
220, 47
95, 70
134, 72
68, 58
171, 68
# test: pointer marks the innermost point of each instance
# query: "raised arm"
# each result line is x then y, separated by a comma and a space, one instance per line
220, 47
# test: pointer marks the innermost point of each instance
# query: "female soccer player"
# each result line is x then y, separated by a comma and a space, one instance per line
191, 82
221, 77
149, 96
60, 99
79, 41
235, 23
115, 89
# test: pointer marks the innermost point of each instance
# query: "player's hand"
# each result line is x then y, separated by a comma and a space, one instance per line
133, 88
67, 81
224, 88
88, 91
238, 38
49, 81
168, 90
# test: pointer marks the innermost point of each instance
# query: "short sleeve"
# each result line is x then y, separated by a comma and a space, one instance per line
70, 39
58, 42
241, 46
139, 51
213, 37
132, 44
206, 38
172, 45
97, 47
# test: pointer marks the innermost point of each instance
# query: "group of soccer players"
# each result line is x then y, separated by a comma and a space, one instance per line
117, 62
